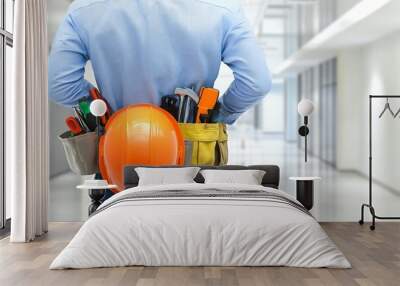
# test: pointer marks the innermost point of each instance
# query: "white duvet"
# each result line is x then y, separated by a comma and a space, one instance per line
200, 232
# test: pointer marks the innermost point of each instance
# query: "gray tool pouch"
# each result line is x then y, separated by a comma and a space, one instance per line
81, 152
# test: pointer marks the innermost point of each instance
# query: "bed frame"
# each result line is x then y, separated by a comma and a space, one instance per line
271, 178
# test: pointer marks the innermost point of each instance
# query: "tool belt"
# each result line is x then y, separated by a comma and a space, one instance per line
205, 144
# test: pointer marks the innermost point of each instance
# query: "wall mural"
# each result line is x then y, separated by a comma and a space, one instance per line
155, 102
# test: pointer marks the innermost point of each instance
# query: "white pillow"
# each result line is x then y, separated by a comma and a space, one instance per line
166, 176
247, 177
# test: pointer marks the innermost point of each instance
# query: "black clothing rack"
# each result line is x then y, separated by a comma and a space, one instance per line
370, 204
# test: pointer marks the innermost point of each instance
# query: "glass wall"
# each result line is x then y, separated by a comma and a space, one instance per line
6, 43
305, 21
291, 101
327, 105
319, 85
327, 13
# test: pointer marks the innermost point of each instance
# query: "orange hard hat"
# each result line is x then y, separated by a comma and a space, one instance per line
141, 134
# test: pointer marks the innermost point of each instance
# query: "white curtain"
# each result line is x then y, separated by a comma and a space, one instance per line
27, 123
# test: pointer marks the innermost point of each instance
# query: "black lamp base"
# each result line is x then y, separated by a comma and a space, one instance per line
304, 131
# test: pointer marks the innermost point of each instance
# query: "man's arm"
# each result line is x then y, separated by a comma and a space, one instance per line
67, 66
252, 77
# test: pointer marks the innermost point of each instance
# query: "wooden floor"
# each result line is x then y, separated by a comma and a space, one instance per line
375, 257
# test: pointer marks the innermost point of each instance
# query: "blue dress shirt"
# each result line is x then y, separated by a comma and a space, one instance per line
141, 50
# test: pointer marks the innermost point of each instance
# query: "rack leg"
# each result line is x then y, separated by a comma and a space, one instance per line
372, 210
361, 221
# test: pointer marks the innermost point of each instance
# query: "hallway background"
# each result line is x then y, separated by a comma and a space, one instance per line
333, 52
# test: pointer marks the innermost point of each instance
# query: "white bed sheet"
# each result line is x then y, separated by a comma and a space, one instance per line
200, 232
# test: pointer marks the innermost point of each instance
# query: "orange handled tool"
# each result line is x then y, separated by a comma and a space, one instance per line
208, 100
74, 125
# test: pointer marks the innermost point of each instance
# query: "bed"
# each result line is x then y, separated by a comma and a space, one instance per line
198, 224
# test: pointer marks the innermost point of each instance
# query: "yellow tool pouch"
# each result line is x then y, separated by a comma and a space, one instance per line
205, 144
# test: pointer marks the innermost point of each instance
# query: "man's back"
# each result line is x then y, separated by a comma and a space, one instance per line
141, 50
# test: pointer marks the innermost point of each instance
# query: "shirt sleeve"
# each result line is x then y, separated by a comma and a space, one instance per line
252, 82
67, 65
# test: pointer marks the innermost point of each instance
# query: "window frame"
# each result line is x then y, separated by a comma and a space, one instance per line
6, 39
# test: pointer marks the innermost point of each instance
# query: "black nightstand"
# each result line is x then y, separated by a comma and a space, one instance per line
305, 190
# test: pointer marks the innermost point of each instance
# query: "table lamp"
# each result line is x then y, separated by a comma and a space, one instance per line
305, 109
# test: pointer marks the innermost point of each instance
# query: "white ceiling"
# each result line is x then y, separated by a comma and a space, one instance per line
354, 28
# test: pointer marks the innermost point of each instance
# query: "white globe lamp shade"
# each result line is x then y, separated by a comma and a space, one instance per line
305, 107
98, 107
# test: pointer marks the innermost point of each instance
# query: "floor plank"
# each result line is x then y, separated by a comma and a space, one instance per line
375, 257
